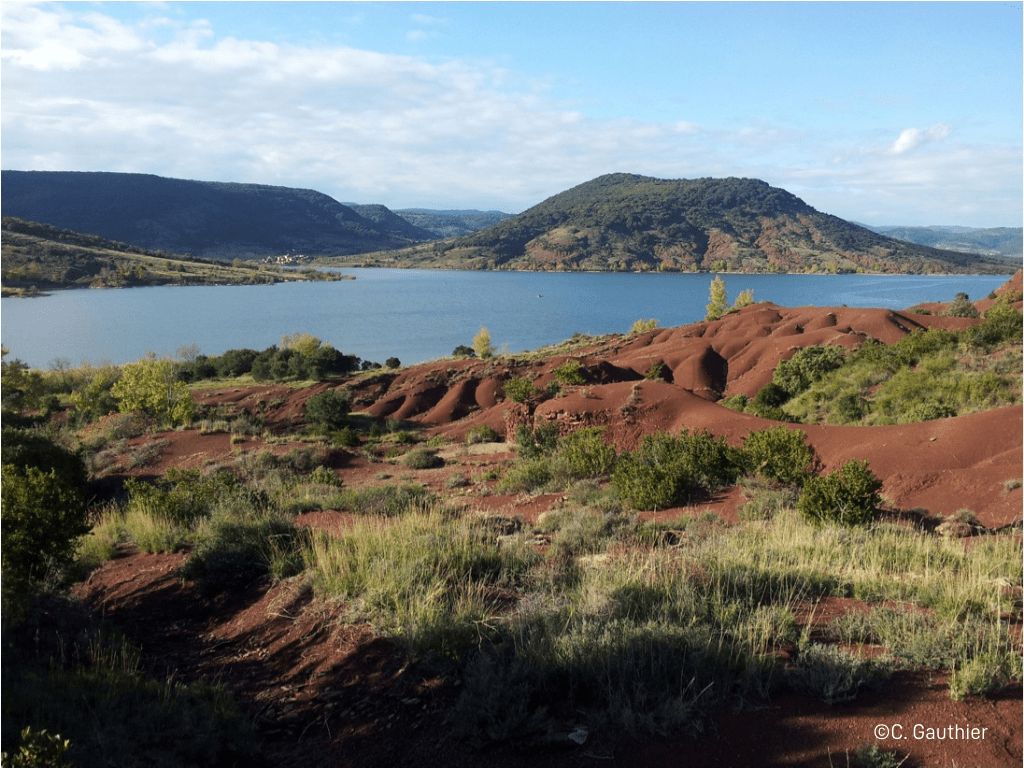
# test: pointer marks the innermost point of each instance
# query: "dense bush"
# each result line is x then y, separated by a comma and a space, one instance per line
463, 351
666, 470
805, 367
848, 496
328, 409
24, 448
779, 454
535, 442
585, 454
42, 515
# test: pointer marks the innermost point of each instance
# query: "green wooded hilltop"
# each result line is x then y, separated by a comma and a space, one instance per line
624, 222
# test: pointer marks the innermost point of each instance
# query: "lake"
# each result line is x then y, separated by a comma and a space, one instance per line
417, 314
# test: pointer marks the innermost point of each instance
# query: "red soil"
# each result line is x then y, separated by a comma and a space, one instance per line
339, 695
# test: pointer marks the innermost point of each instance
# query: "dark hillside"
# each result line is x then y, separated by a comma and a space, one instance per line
212, 219
628, 222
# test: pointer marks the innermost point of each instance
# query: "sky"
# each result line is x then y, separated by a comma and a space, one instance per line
876, 112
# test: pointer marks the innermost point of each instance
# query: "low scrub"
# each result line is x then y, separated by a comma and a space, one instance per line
240, 545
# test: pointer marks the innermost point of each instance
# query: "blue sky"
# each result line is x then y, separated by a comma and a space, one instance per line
884, 113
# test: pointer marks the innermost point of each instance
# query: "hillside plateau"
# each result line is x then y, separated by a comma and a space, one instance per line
38, 258
624, 222
451, 570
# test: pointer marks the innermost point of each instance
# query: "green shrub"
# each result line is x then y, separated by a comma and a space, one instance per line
328, 409
151, 386
39, 749
422, 458
482, 434
642, 326
42, 518
536, 442
961, 307
805, 367
24, 448
656, 371
737, 402
874, 757
519, 389
665, 470
463, 351
977, 676
384, 500
569, 373
770, 397
240, 545
527, 475
779, 454
848, 496
585, 454
834, 675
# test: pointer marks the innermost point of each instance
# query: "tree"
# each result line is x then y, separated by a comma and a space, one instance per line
719, 303
151, 386
482, 343
745, 299
303, 343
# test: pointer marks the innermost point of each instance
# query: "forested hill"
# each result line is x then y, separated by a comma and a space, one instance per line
211, 219
628, 222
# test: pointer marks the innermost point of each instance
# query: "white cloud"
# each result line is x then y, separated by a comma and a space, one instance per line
912, 138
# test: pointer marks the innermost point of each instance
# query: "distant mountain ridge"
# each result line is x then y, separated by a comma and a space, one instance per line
629, 222
442, 224
991, 241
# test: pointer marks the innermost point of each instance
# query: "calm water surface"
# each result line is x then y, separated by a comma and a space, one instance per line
416, 315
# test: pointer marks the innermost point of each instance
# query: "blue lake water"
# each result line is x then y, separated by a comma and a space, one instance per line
417, 315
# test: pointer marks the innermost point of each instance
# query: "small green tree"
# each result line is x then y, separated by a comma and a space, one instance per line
482, 343
328, 409
718, 302
150, 386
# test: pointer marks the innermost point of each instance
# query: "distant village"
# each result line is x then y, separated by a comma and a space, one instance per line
287, 259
